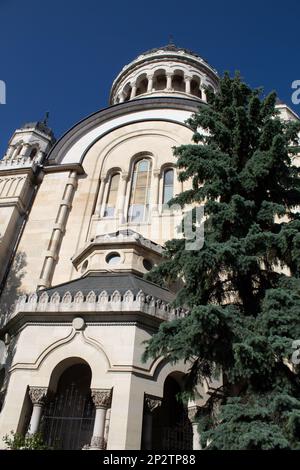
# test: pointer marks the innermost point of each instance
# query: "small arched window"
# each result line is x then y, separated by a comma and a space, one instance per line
112, 194
168, 188
139, 202
33, 153
19, 150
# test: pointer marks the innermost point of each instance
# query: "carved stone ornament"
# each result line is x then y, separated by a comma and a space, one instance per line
151, 403
101, 398
98, 442
38, 395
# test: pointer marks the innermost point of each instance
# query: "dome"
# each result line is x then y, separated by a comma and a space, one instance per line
164, 71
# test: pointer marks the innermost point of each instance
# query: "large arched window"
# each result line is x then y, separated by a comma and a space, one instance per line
168, 188
140, 191
112, 194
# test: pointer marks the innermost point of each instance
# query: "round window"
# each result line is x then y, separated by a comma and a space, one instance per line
113, 259
147, 264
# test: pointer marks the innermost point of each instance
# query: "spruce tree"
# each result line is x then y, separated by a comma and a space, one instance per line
242, 288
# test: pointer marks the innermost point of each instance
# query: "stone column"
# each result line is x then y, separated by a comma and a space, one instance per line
133, 91
58, 231
151, 404
38, 398
187, 81
9, 152
169, 81
39, 157
105, 190
24, 150
102, 401
150, 83
155, 187
192, 413
16, 150
121, 97
121, 197
203, 94
100, 197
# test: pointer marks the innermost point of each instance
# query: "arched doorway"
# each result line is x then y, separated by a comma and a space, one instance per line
69, 415
171, 427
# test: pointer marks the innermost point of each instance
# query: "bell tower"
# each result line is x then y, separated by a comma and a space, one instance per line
19, 180
28, 145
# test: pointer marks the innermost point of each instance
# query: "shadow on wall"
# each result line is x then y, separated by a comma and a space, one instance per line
10, 293
11, 289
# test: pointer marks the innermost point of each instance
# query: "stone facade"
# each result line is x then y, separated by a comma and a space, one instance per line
73, 297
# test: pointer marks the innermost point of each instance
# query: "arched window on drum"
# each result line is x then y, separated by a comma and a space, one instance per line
112, 194
168, 186
139, 202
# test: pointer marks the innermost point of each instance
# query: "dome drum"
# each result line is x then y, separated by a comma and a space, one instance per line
165, 71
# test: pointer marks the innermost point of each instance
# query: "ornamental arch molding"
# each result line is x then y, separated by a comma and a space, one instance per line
75, 345
75, 144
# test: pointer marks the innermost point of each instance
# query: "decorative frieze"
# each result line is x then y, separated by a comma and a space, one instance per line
102, 302
17, 163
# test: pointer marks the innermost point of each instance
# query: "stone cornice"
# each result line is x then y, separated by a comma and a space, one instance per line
117, 307
64, 167
31, 171
13, 202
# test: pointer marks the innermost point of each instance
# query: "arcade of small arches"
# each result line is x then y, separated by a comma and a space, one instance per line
163, 80
147, 187
70, 415
21, 150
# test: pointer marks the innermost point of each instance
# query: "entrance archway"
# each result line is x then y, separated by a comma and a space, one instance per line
171, 427
69, 415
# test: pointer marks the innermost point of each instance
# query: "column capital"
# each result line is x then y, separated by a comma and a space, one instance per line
125, 175
151, 403
38, 395
187, 78
101, 397
193, 413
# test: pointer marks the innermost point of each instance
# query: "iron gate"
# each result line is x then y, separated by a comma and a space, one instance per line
68, 420
179, 436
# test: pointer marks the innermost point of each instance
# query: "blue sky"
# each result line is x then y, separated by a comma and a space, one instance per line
62, 55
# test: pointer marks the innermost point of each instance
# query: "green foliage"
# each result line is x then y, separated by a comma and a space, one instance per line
243, 286
16, 441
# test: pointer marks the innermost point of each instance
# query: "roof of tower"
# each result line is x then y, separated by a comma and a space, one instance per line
41, 126
172, 48
98, 282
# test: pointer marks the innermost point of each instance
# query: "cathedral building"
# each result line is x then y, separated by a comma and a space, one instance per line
82, 219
